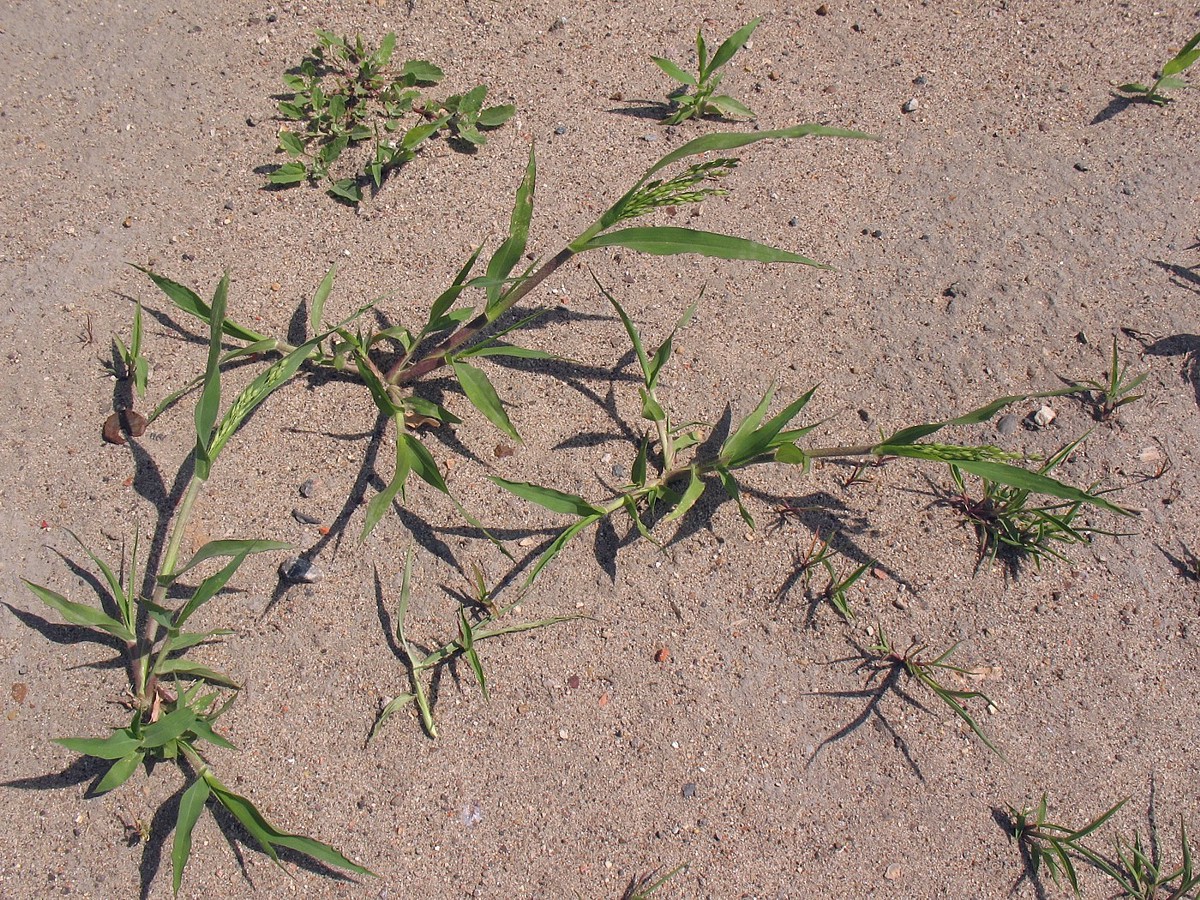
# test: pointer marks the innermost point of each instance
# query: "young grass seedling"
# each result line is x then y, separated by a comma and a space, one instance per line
837, 586
1142, 875
175, 701
1168, 77
1106, 397
695, 97
129, 364
1009, 524
473, 628
928, 672
645, 886
345, 93
1044, 843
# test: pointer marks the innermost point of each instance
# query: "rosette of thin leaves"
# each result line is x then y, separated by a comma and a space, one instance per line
175, 700
1045, 844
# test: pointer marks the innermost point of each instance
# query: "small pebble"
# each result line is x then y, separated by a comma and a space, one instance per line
1044, 416
308, 488
911, 105
1081, 167
1007, 424
893, 872
794, 221
573, 682
649, 138
560, 129
304, 518
688, 791
563, 734
298, 570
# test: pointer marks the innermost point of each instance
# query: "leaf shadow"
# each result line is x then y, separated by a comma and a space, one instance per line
1186, 346
889, 684
79, 770
1117, 104
1029, 870
66, 635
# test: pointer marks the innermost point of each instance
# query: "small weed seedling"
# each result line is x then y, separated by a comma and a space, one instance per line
885, 669
128, 362
926, 671
1011, 525
1168, 78
695, 98
345, 93
645, 886
176, 702
1044, 843
837, 586
1142, 875
476, 626
1106, 397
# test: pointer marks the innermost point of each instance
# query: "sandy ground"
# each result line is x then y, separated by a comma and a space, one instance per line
996, 238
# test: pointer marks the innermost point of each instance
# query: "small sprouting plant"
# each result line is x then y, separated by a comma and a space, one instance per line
1046, 844
1116, 390
1010, 524
1168, 77
129, 364
929, 671
695, 98
475, 625
1142, 875
345, 93
644, 886
820, 554
175, 701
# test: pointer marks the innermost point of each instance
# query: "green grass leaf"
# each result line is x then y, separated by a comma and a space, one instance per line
209, 403
383, 500
218, 549
117, 745
665, 240
727, 106
506, 257
194, 670
483, 396
269, 837
555, 501
191, 804
690, 495
189, 302
79, 614
316, 309
673, 71
732, 45
120, 771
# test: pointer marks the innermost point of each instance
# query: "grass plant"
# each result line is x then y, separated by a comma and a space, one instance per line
696, 97
176, 701
1012, 524
1168, 77
1115, 391
1050, 846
